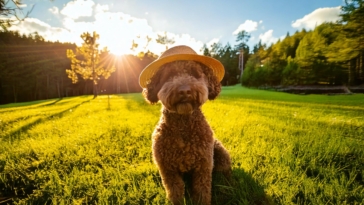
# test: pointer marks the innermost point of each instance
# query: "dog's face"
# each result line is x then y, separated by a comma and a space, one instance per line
182, 86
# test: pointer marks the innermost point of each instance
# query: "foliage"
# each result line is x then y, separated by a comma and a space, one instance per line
89, 62
164, 40
147, 53
242, 38
287, 149
229, 57
353, 16
291, 73
11, 12
254, 73
332, 53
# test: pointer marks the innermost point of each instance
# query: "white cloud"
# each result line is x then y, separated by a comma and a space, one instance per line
54, 10
187, 39
78, 8
212, 41
31, 25
247, 26
101, 8
268, 37
318, 17
117, 30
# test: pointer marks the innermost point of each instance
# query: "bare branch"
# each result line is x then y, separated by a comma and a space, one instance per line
11, 15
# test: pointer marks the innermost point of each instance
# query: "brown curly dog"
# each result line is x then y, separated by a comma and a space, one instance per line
183, 141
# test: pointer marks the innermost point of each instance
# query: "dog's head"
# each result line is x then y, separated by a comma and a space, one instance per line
182, 86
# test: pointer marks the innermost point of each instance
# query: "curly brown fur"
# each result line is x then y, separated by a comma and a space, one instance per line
183, 141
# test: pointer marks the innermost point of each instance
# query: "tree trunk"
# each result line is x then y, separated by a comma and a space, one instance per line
361, 68
1, 92
117, 81
94, 75
62, 88
15, 94
115, 84
351, 73
47, 94
85, 92
58, 90
36, 88
95, 90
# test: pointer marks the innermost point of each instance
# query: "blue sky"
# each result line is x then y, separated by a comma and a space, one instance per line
189, 22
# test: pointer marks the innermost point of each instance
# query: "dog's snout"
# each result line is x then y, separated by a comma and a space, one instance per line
184, 91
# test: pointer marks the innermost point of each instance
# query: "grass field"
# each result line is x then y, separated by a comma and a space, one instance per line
286, 149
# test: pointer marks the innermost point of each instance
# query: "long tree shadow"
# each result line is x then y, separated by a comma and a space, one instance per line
16, 133
30, 116
27, 106
54, 102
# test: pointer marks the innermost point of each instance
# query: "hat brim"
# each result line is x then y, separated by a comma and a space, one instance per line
152, 68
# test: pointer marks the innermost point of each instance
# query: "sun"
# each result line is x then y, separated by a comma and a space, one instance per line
119, 50
117, 46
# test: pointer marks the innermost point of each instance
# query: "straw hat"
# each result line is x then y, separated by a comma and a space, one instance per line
178, 53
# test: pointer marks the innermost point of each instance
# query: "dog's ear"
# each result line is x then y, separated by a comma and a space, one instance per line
214, 87
214, 84
150, 95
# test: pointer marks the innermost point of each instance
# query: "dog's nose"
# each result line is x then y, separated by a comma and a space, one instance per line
184, 91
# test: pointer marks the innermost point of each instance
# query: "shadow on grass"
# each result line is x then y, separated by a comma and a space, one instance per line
17, 106
29, 116
16, 133
240, 189
54, 102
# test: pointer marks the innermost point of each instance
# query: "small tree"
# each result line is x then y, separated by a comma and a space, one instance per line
89, 62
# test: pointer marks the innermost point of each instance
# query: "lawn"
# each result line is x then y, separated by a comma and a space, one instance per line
285, 148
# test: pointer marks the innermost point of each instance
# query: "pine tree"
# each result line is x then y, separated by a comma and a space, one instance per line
353, 45
205, 50
89, 62
242, 38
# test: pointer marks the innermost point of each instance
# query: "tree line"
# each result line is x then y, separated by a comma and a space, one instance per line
331, 54
34, 69
31, 68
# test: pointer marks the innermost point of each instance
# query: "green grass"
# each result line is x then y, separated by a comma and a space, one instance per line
286, 149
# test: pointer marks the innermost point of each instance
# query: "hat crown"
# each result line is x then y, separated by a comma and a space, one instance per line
180, 53
177, 50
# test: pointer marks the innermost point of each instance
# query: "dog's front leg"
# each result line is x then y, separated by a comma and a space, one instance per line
222, 160
201, 184
174, 185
